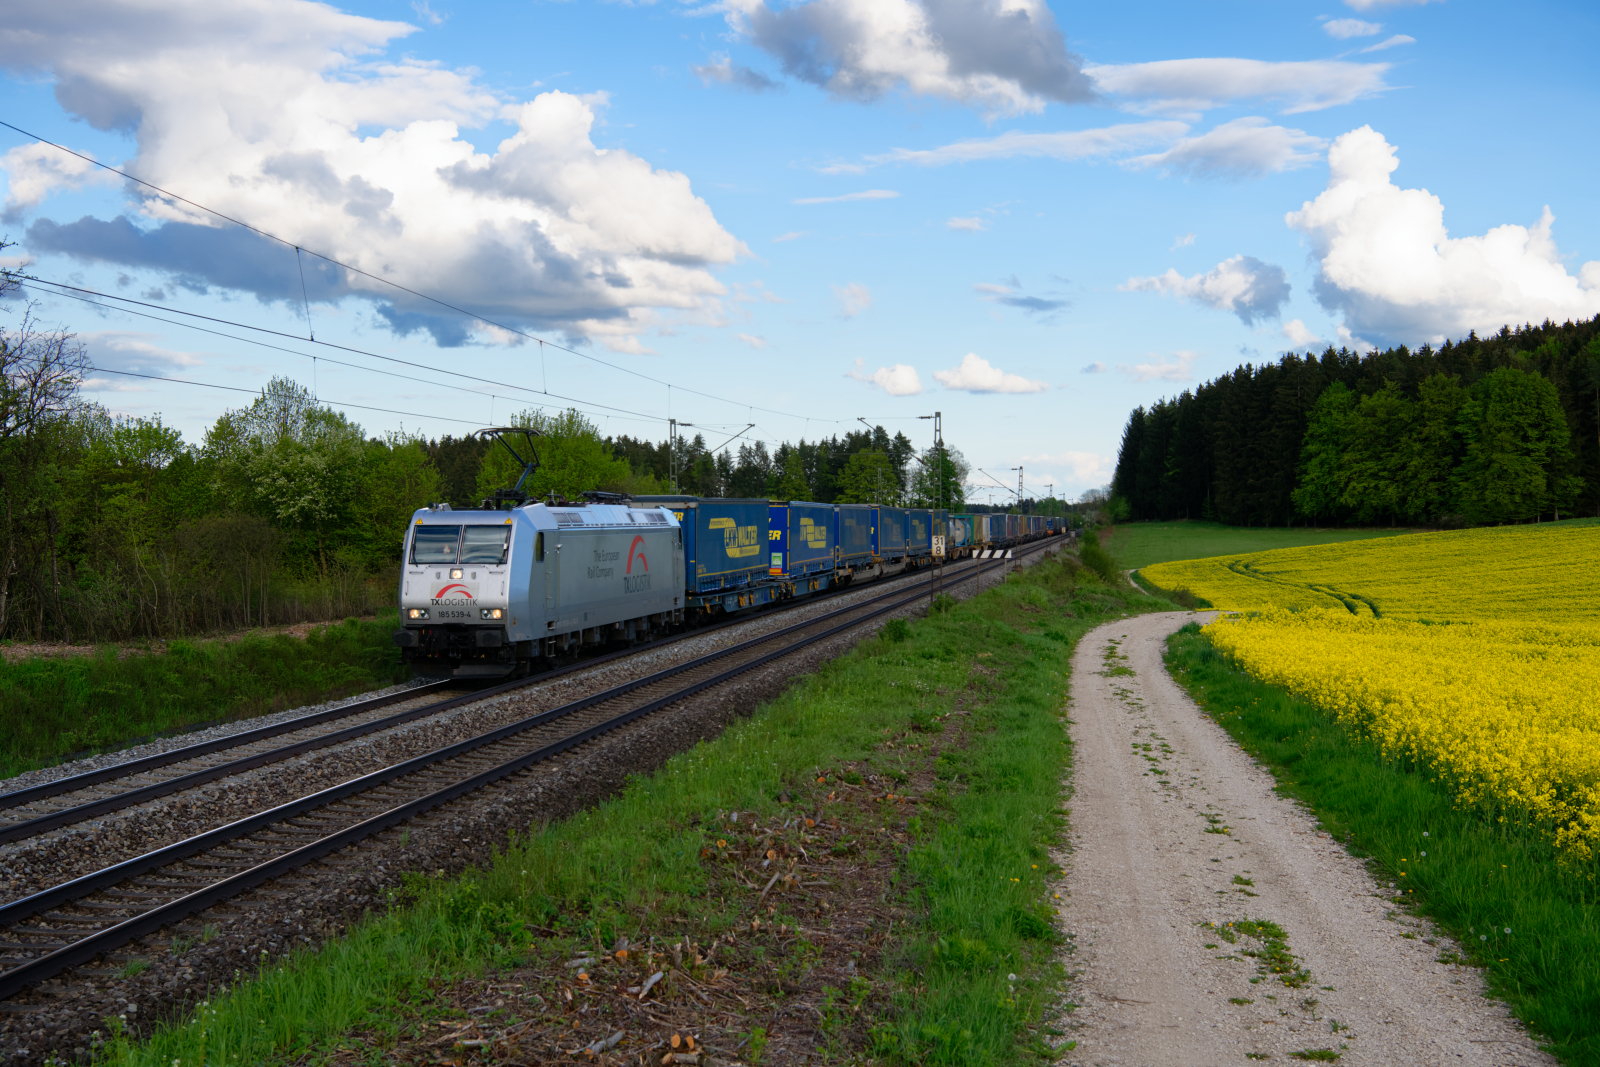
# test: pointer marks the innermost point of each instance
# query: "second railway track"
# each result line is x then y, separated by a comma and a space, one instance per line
75, 922
65, 801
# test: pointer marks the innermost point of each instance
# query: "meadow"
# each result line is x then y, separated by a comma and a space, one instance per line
55, 707
1139, 544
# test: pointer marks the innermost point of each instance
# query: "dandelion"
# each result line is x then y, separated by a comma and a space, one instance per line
1508, 929
1011, 978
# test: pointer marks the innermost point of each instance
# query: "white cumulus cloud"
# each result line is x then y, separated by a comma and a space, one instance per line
292, 115
976, 375
972, 225
1344, 29
34, 171
1161, 368
753, 340
1388, 264
1004, 56
1243, 285
1195, 85
898, 380
1299, 334
1244, 148
853, 299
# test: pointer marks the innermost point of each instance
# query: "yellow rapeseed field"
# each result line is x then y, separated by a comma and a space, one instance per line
1475, 653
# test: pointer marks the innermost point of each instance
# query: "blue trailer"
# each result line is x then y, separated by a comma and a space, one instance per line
853, 534
725, 551
800, 545
919, 534
888, 534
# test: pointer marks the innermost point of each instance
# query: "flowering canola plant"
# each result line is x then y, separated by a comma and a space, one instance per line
1474, 653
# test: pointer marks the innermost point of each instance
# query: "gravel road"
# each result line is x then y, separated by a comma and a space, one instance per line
1174, 827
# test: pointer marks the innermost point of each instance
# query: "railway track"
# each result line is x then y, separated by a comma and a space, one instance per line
25, 813
74, 923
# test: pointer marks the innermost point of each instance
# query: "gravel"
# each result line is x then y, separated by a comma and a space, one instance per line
324, 899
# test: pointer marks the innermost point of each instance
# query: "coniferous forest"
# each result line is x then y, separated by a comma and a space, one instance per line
1482, 430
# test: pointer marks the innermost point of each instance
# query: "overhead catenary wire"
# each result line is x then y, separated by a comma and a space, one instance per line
257, 392
74, 289
384, 281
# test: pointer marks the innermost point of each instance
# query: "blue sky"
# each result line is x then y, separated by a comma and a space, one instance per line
1028, 217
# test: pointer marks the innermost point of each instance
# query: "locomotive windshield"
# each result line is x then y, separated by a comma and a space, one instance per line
485, 544
435, 544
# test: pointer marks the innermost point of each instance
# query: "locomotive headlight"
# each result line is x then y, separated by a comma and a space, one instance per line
492, 613
417, 613
455, 572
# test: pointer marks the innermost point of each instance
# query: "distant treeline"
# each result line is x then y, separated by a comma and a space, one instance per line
1497, 429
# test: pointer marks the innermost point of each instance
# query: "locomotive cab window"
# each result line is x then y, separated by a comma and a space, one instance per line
538, 547
435, 544
485, 544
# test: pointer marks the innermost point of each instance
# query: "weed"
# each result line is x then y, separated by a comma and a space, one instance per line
1240, 1000
1316, 1055
133, 967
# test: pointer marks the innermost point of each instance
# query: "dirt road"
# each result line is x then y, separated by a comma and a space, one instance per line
1176, 834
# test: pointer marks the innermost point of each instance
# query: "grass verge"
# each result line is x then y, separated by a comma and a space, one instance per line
1502, 893
52, 707
1139, 544
860, 868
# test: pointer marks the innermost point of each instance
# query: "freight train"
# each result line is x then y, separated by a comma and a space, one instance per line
515, 584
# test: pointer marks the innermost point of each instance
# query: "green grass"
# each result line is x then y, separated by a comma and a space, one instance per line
56, 706
1139, 544
975, 871
1477, 880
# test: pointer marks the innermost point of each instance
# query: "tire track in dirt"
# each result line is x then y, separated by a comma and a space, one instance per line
1176, 833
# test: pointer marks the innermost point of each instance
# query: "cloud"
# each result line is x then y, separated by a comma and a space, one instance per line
1243, 148
426, 13
725, 71
1093, 368
1182, 242
1299, 335
866, 194
752, 340
1067, 145
1010, 297
1368, 5
853, 299
289, 114
1388, 264
973, 225
1344, 29
898, 380
1195, 85
792, 235
134, 351
1163, 370
1243, 285
34, 171
976, 375
1003, 56
1080, 467
1393, 42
